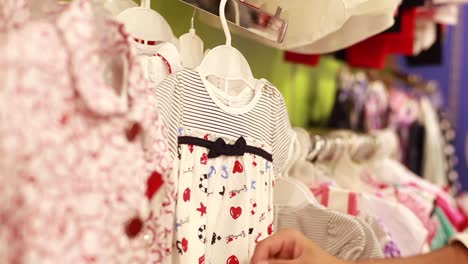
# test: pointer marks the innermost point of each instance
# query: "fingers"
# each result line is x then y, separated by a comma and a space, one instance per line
288, 251
294, 261
267, 249
283, 245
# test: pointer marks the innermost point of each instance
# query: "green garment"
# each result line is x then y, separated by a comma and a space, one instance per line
445, 230
323, 91
309, 91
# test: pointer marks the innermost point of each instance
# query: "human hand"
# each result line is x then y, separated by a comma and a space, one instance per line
291, 247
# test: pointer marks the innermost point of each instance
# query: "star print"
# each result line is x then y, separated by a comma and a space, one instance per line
202, 209
253, 185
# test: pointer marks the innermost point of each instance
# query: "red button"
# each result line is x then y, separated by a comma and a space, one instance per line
134, 227
154, 182
133, 131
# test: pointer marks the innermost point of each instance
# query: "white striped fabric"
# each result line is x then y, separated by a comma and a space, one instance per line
186, 102
341, 235
373, 248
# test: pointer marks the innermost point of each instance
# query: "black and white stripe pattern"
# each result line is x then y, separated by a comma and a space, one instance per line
201, 234
203, 181
185, 102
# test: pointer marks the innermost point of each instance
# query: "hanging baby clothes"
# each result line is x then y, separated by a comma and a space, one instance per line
79, 136
408, 237
158, 60
16, 13
434, 164
340, 235
12, 14
228, 152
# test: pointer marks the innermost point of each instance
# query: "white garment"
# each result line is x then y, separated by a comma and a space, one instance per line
406, 229
341, 235
447, 14
387, 169
364, 24
425, 35
349, 174
393, 172
302, 169
223, 205
333, 24
409, 234
158, 61
435, 164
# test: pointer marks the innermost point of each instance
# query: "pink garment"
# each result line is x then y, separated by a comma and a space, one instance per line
406, 233
419, 208
455, 216
392, 172
344, 201
12, 14
444, 202
16, 13
75, 154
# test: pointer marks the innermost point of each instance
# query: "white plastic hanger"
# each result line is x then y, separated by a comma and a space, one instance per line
292, 192
225, 61
318, 146
191, 47
145, 24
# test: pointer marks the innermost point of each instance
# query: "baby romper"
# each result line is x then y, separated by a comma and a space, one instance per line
228, 151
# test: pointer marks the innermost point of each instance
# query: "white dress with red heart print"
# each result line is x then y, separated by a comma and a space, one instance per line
223, 204
228, 152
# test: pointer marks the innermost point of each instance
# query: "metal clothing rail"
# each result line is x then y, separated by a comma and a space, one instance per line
248, 18
360, 147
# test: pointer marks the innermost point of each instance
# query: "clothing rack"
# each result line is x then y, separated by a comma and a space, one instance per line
245, 17
360, 146
413, 80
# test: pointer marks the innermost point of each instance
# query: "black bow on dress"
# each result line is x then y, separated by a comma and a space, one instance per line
220, 148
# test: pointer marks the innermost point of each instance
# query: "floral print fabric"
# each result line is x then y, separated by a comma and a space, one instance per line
78, 142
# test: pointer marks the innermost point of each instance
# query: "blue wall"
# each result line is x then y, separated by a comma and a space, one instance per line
442, 75
462, 122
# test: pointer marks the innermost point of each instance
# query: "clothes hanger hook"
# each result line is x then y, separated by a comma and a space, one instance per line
324, 151
316, 148
222, 16
146, 4
192, 22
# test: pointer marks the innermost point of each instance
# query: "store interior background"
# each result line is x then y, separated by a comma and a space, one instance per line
268, 63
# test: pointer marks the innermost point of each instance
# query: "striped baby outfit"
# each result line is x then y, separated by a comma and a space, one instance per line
228, 150
343, 236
